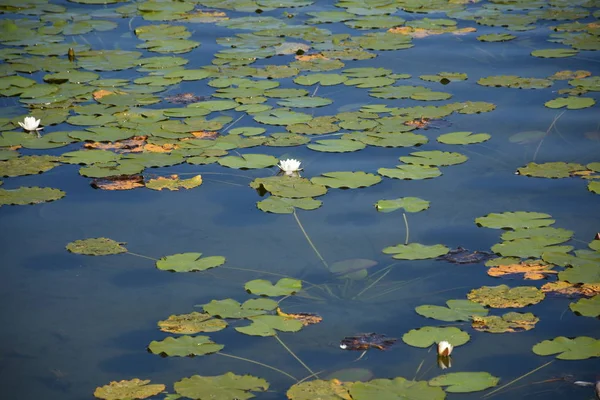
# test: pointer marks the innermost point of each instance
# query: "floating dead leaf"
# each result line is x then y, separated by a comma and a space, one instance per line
582, 173
188, 324
534, 270
205, 134
173, 183
133, 145
463, 31
160, 148
367, 341
121, 182
509, 322
98, 94
402, 30
571, 290
503, 296
309, 57
305, 318
420, 123
568, 75
133, 389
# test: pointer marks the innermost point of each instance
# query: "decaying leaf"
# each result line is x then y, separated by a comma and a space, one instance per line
503, 297
163, 148
120, 182
191, 323
132, 145
98, 94
367, 341
173, 183
509, 322
309, 57
305, 318
319, 389
96, 247
133, 389
534, 270
571, 289
205, 134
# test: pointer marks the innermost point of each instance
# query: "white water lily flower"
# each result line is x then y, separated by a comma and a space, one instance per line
289, 166
30, 124
444, 348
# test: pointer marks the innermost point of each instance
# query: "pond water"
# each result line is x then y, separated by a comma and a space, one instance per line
75, 322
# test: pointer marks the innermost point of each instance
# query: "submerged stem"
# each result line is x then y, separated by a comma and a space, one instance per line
547, 133
372, 284
141, 255
310, 241
295, 356
258, 363
406, 225
517, 379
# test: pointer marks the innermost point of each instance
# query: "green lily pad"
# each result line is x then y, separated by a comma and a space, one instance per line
268, 325
282, 205
28, 165
230, 308
346, 179
189, 324
594, 187
475, 107
457, 310
397, 388
514, 220
321, 79
416, 251
465, 382
29, 195
284, 287
503, 297
554, 53
290, 187
571, 102
428, 335
248, 161
530, 247
336, 145
587, 273
286, 139
385, 139
546, 232
187, 262
509, 322
305, 102
550, 169
184, 346
96, 247
409, 204
87, 157
222, 387
103, 170
282, 117
410, 172
318, 389
434, 158
579, 348
463, 138
496, 37
587, 307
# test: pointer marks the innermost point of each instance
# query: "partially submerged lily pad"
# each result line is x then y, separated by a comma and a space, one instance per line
283, 205
96, 247
457, 310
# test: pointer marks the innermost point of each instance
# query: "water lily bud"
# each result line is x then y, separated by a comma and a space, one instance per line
444, 348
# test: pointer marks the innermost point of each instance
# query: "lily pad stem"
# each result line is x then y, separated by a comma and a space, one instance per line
143, 256
372, 284
258, 363
310, 241
406, 225
295, 356
517, 379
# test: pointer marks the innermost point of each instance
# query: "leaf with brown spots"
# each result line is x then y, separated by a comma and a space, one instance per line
120, 182
188, 324
132, 145
174, 183
305, 318
205, 134
534, 270
98, 94
509, 322
309, 57
160, 148
133, 389
503, 296
570, 289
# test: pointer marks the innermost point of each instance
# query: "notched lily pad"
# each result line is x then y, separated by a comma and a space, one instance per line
579, 348
587, 307
416, 251
457, 310
268, 325
346, 179
187, 262
96, 247
184, 346
28, 165
228, 386
465, 382
509, 322
173, 183
409, 204
428, 335
515, 220
284, 287
132, 389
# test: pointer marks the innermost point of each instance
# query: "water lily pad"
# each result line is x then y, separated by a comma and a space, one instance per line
594, 187
284, 287
555, 53
579, 348
410, 172
434, 158
132, 389
346, 179
465, 382
509, 322
268, 325
188, 324
571, 102
463, 138
248, 161
28, 165
457, 310
496, 37
336, 145
416, 251
282, 117
184, 346
530, 247
96, 247
550, 169
305, 102
504, 297
409, 204
87, 157
397, 388
428, 335
318, 389
290, 187
173, 183
187, 262
230, 308
282, 205
29, 195
587, 307
353, 269
321, 79
222, 387
515, 220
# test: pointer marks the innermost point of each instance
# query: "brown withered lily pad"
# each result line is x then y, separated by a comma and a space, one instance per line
173, 183
184, 98
461, 255
509, 322
120, 182
504, 297
533, 270
366, 341
427, 123
133, 145
205, 134
305, 318
571, 290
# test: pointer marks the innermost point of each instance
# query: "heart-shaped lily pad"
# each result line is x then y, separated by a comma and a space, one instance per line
579, 348
187, 262
283, 287
428, 335
184, 346
465, 382
416, 251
